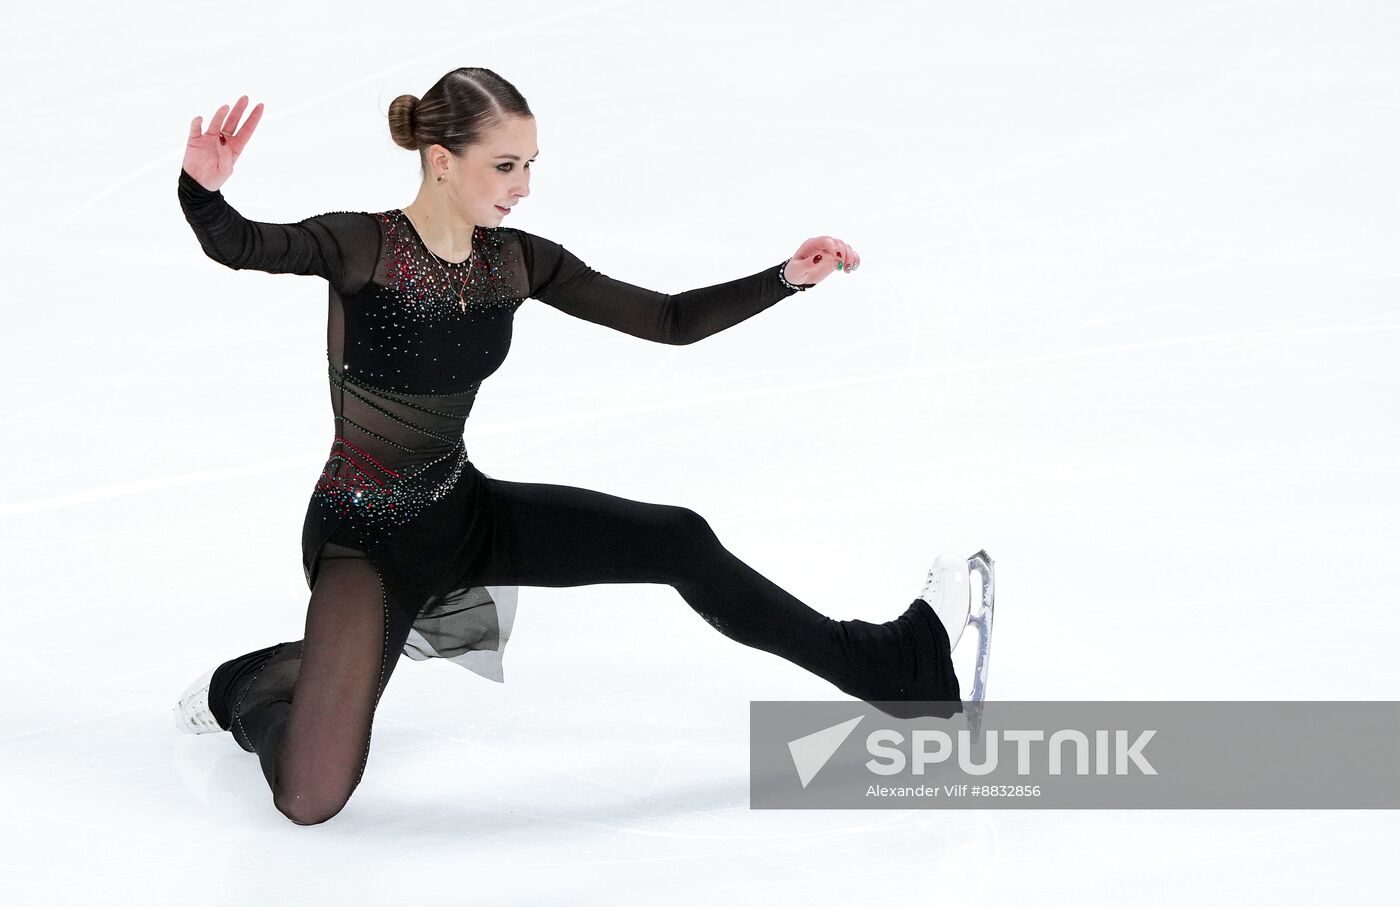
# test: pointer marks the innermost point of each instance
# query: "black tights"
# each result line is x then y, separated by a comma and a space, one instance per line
306, 707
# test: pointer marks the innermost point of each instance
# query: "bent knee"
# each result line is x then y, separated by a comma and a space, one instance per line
308, 811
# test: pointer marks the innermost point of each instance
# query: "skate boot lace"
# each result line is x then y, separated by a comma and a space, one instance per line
196, 713
932, 584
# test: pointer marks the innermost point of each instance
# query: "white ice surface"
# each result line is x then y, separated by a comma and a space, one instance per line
1127, 318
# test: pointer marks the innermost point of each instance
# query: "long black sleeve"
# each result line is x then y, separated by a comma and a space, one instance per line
558, 278
341, 246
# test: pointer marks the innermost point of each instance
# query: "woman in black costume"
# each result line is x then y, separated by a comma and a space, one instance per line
407, 545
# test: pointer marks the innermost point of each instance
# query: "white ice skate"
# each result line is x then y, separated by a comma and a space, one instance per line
948, 591
192, 713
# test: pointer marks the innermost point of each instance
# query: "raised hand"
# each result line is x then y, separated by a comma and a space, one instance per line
818, 257
210, 156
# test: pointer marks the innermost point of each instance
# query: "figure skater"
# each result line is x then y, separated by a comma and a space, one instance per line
406, 543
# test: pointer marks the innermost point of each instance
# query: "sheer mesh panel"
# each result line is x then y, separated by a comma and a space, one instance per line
308, 712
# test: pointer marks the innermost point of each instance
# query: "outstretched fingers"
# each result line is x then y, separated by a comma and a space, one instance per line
246, 131
224, 123
216, 122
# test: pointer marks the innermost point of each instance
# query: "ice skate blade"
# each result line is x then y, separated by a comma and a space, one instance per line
981, 618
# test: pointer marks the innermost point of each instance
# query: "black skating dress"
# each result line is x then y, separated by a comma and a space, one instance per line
407, 351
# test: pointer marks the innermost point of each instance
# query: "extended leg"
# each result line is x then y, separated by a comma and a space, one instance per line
560, 535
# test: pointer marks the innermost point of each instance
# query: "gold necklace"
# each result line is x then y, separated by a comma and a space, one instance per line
462, 290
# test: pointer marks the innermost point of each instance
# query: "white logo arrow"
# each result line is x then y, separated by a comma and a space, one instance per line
812, 752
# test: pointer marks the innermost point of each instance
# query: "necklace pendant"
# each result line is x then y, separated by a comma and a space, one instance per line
461, 297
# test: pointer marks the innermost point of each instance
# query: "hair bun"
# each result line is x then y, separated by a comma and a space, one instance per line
403, 124
455, 112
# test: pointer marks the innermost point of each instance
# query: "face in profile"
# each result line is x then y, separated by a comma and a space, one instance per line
493, 175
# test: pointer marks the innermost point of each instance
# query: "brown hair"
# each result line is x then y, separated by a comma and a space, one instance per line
455, 112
